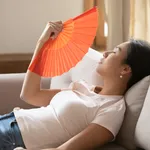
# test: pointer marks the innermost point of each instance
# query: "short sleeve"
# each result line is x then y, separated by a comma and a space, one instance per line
111, 117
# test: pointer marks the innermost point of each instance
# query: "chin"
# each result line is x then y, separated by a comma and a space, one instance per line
98, 70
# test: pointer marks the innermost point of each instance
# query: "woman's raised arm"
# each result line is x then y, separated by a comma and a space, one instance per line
31, 91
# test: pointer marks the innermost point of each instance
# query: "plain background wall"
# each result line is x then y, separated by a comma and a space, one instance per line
22, 21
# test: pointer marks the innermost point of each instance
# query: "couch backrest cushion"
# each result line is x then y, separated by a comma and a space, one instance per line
142, 130
134, 98
85, 69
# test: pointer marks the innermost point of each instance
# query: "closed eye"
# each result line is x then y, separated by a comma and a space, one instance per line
117, 49
113, 52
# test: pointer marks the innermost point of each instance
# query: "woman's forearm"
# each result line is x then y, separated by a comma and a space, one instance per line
31, 84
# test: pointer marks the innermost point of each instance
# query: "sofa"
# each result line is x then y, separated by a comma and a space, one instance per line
134, 133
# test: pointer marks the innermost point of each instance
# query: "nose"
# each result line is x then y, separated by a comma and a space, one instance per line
106, 53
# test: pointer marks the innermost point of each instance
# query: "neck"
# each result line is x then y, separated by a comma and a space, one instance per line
113, 87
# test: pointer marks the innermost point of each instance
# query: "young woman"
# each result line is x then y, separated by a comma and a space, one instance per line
83, 117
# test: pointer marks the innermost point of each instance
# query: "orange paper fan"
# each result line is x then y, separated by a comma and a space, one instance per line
60, 55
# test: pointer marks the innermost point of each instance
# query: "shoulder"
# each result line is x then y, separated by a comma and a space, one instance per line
111, 116
113, 106
118, 106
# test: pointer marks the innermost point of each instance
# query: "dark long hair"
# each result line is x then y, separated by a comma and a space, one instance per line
138, 58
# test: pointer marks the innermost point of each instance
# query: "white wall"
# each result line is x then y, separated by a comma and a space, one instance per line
22, 21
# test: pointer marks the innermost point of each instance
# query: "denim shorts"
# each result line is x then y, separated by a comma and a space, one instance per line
10, 136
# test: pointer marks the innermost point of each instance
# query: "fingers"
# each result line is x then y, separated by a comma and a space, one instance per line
59, 22
56, 28
55, 32
106, 53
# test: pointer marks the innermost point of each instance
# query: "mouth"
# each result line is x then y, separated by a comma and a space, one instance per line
101, 61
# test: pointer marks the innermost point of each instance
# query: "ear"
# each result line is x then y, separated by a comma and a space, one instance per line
126, 70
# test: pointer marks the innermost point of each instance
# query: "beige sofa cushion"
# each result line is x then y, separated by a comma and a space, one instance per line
142, 130
134, 101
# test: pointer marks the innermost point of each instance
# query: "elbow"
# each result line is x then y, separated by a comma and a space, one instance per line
30, 99
22, 97
26, 95
26, 99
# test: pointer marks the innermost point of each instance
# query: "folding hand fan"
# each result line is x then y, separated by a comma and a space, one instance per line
61, 54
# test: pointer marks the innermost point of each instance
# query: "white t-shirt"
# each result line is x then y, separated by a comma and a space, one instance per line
69, 112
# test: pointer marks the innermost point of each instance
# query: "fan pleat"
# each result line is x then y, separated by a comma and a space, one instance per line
76, 51
72, 54
45, 58
80, 48
81, 38
86, 31
60, 62
81, 42
47, 66
66, 59
61, 67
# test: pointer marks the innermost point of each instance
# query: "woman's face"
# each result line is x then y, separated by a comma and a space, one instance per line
112, 62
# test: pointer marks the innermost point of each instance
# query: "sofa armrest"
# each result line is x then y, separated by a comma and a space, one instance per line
10, 88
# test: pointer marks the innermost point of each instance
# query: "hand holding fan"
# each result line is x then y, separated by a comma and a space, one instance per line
61, 54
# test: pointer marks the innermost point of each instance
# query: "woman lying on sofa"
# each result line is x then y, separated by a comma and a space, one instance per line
82, 117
